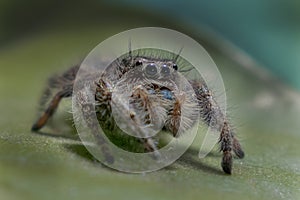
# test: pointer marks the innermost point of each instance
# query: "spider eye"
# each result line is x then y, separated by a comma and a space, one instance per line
175, 67
138, 63
165, 70
151, 69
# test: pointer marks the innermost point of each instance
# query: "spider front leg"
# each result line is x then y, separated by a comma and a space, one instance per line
64, 85
144, 112
87, 109
212, 115
139, 115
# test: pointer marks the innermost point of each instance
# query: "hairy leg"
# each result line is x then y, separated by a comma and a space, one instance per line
173, 119
145, 113
87, 109
140, 103
226, 147
64, 86
212, 115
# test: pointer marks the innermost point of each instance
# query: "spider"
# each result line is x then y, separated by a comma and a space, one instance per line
154, 101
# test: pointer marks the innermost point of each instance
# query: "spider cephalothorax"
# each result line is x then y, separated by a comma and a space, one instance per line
144, 94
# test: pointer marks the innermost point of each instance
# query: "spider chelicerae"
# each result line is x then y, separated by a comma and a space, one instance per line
149, 84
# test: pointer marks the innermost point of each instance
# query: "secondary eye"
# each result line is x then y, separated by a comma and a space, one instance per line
175, 67
151, 69
165, 70
138, 63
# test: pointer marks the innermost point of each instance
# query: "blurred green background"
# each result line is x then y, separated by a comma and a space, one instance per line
267, 30
39, 38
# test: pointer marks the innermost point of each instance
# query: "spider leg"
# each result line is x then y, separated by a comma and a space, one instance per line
226, 147
212, 115
49, 111
173, 119
64, 85
237, 148
89, 117
145, 113
229, 142
140, 103
182, 112
149, 144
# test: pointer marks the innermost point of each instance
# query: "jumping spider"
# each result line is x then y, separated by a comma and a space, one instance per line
150, 83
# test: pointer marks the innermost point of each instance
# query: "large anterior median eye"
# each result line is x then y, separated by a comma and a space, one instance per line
165, 70
151, 69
